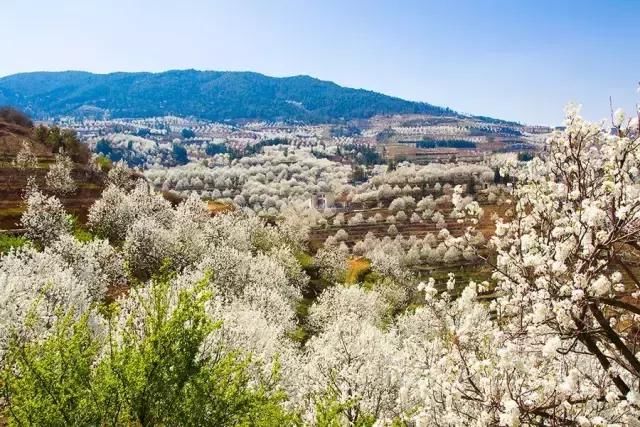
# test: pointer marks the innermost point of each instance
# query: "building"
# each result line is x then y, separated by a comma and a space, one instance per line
322, 201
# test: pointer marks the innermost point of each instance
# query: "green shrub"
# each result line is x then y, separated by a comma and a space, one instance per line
104, 163
153, 374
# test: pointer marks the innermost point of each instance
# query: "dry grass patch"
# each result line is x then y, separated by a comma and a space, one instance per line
216, 207
357, 268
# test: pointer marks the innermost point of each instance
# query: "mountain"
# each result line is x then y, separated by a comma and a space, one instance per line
211, 95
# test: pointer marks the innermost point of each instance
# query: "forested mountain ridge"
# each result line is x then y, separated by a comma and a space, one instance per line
211, 95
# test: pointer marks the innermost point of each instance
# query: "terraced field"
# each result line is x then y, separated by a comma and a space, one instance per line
13, 182
357, 232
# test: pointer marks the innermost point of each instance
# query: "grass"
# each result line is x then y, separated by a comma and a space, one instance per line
82, 235
357, 268
79, 232
8, 242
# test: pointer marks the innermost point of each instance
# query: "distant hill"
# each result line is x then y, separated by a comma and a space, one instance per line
211, 95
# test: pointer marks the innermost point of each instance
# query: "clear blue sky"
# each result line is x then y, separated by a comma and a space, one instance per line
513, 59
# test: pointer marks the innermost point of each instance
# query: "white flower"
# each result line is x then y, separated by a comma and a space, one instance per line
551, 346
618, 117
633, 397
511, 415
59, 178
601, 286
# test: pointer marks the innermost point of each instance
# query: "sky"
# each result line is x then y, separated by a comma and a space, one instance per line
519, 60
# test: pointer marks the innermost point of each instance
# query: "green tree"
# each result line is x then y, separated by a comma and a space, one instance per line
151, 371
497, 178
179, 154
188, 133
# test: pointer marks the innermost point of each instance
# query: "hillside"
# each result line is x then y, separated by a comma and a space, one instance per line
208, 95
13, 179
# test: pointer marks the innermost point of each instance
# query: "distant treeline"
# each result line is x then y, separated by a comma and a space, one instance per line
213, 149
115, 153
360, 153
446, 143
257, 148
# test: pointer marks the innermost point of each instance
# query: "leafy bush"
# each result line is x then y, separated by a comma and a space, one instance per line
147, 368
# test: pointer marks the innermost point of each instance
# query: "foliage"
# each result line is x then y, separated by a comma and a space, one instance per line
103, 163
362, 154
525, 157
330, 412
447, 143
210, 95
82, 235
8, 242
58, 139
234, 326
268, 183
345, 131
257, 147
385, 135
213, 149
304, 259
179, 154
187, 133
131, 149
147, 369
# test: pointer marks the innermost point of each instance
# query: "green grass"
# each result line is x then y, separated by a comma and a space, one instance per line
79, 232
8, 242
370, 279
302, 308
82, 235
305, 260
